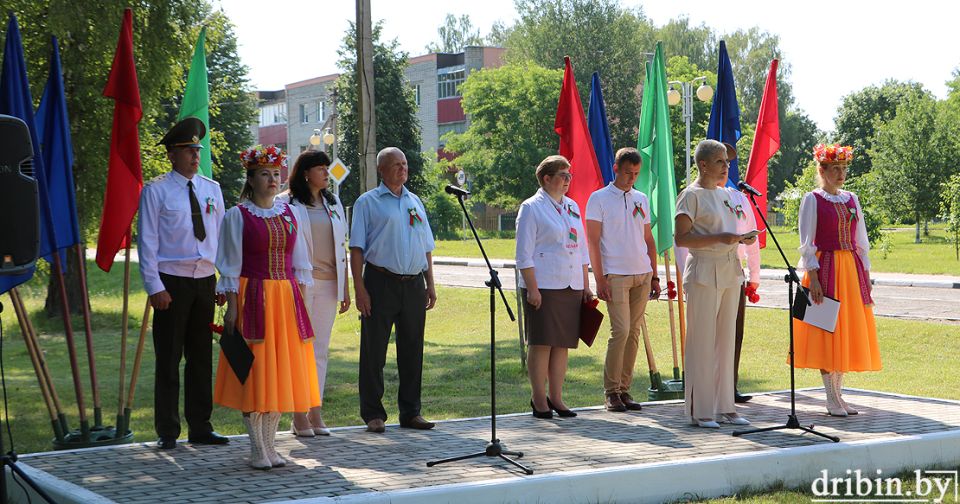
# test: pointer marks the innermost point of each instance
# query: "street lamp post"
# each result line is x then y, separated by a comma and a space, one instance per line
674, 97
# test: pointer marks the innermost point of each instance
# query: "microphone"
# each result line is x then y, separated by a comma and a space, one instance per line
745, 187
456, 191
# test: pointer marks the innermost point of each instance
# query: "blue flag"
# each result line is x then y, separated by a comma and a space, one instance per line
15, 100
53, 129
600, 130
725, 113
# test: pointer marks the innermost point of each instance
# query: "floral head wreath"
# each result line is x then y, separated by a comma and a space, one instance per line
258, 155
836, 153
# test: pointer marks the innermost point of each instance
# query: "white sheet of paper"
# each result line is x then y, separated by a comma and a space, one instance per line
823, 315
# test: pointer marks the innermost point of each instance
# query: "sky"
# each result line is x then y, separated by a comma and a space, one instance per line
834, 47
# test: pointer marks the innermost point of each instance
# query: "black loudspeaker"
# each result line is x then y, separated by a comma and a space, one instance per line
19, 200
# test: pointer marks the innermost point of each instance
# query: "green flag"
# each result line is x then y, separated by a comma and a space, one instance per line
655, 143
196, 100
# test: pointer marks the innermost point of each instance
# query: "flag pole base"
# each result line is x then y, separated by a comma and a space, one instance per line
96, 436
669, 390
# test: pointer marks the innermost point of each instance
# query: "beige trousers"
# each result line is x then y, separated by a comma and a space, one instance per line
708, 361
629, 296
321, 302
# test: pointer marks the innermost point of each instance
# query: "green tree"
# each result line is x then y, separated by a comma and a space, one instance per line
950, 210
599, 36
861, 112
512, 110
908, 162
798, 135
444, 213
697, 43
396, 109
455, 34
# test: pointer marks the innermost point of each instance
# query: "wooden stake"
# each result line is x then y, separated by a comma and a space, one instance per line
673, 328
35, 357
123, 329
680, 314
71, 346
91, 362
22, 309
136, 359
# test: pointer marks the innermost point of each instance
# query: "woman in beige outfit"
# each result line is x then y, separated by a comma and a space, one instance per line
706, 223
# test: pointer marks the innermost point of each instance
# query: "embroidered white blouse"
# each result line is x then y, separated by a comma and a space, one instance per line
230, 253
808, 229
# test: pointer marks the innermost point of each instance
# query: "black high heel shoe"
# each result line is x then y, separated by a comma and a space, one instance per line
564, 413
546, 415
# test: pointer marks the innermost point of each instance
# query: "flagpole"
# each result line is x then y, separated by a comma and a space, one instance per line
85, 300
680, 315
123, 336
135, 372
39, 365
72, 348
673, 328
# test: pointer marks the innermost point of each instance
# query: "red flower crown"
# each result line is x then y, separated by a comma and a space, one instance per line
833, 153
258, 155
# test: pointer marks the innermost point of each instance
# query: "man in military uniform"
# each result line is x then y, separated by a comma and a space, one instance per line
180, 216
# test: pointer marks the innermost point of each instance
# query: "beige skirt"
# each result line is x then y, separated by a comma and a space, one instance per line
557, 322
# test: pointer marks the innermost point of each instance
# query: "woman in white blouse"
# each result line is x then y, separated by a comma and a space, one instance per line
320, 209
706, 223
552, 259
834, 253
263, 256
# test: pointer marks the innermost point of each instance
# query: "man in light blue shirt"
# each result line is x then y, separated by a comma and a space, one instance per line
390, 258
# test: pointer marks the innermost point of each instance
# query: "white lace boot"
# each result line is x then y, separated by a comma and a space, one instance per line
270, 422
258, 459
838, 386
833, 403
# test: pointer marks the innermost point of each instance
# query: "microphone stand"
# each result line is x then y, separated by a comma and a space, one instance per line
790, 278
494, 447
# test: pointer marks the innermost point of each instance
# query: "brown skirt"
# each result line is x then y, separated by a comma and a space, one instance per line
557, 322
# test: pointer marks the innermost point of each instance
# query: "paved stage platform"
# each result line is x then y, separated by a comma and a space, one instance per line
648, 456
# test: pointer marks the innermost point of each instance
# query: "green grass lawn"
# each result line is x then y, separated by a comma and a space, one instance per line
456, 362
935, 256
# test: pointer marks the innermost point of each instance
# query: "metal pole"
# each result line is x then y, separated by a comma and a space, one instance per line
687, 118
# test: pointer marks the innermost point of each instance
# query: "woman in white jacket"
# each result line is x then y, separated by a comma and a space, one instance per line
309, 195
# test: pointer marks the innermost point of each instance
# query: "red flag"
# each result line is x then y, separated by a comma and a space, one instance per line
576, 144
124, 175
766, 142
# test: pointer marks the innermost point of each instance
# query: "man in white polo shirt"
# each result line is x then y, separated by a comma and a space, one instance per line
624, 260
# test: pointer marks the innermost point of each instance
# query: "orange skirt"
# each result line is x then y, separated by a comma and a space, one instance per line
853, 344
284, 373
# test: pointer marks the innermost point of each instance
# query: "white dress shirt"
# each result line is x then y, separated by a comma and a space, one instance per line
230, 255
808, 229
749, 252
165, 240
624, 217
550, 239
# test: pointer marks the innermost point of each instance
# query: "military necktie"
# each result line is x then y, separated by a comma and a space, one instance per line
198, 229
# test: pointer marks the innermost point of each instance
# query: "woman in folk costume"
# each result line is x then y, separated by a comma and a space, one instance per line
834, 254
263, 256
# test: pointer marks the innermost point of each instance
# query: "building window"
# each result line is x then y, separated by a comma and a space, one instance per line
321, 111
416, 94
448, 82
303, 148
275, 113
304, 113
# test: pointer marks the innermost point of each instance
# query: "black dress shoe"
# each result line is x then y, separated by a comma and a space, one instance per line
629, 403
167, 443
740, 398
565, 413
546, 415
211, 437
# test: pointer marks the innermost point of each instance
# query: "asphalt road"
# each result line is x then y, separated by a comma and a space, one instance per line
924, 303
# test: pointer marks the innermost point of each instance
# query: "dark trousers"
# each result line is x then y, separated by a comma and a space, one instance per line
183, 331
738, 342
399, 303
